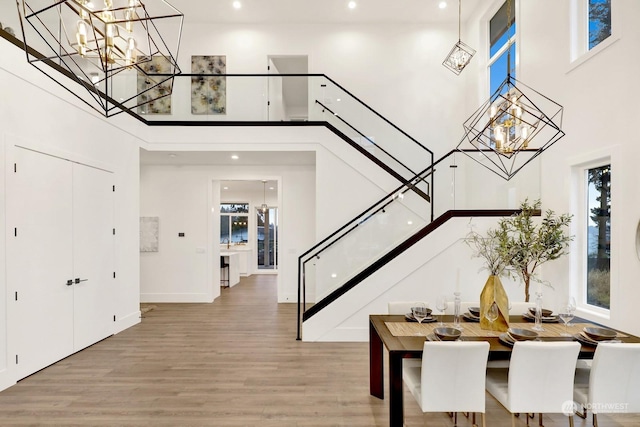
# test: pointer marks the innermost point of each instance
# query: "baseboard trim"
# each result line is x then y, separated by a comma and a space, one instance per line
127, 321
150, 298
6, 380
342, 335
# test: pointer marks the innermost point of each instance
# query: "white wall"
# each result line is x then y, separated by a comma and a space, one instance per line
180, 197
37, 113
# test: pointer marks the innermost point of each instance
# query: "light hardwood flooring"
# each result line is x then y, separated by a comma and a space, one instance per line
235, 362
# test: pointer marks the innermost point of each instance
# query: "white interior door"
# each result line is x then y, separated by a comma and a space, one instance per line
39, 262
93, 255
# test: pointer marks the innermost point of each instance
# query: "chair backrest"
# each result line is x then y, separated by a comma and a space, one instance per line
541, 375
453, 376
614, 382
402, 307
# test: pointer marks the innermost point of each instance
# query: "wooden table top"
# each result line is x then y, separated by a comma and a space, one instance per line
399, 335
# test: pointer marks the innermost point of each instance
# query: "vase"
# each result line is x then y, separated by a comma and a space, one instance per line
493, 292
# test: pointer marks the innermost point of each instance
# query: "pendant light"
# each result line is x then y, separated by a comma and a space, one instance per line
264, 206
461, 54
514, 126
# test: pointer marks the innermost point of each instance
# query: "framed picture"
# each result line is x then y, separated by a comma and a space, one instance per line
209, 92
149, 227
155, 91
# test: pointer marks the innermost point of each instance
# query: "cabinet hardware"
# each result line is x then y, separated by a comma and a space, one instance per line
69, 282
78, 280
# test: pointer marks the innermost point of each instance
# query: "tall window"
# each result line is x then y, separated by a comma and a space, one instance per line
502, 47
599, 236
599, 21
234, 223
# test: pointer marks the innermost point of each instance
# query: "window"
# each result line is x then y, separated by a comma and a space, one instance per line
502, 47
234, 223
593, 28
598, 236
599, 21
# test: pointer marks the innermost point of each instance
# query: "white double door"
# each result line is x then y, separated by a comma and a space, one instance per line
60, 270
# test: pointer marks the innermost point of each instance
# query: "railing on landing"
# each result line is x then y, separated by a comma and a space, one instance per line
394, 223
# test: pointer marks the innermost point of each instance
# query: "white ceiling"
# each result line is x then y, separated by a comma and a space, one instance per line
323, 11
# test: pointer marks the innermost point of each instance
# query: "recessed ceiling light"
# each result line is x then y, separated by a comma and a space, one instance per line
352, 5
235, 157
173, 155
338, 100
225, 188
271, 188
442, 4
237, 5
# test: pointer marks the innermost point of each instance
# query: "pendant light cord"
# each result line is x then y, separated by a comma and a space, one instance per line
459, 13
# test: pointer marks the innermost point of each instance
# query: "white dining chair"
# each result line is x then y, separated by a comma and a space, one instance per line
612, 385
539, 378
453, 375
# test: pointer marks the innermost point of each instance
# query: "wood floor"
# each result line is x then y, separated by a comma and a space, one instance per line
231, 363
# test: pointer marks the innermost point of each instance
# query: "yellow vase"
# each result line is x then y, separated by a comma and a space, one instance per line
493, 291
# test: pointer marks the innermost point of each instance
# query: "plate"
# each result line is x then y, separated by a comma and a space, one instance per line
409, 318
599, 334
583, 339
548, 319
506, 339
470, 317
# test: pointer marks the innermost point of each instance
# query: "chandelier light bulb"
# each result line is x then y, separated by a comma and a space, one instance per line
81, 37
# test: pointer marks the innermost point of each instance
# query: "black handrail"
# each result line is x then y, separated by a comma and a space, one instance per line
370, 211
402, 247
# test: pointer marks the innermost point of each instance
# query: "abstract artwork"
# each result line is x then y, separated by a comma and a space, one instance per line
149, 226
209, 93
155, 91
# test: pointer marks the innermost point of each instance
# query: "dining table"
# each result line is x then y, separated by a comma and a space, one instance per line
404, 338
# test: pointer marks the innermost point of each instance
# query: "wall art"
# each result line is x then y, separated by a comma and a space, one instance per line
149, 228
209, 92
157, 88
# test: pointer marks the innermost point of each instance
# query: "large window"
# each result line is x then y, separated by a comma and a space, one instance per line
599, 21
598, 236
502, 46
234, 223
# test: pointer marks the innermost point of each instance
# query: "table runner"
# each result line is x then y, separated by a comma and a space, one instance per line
400, 329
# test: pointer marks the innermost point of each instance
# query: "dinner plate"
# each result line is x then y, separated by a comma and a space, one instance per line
583, 339
506, 339
545, 319
409, 318
470, 317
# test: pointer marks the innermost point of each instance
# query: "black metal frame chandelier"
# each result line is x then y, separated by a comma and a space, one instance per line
514, 126
115, 56
460, 55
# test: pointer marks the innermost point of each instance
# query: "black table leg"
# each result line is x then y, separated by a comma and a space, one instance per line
376, 367
396, 404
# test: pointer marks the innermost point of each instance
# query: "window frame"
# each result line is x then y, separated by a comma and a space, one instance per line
230, 215
580, 166
512, 41
579, 32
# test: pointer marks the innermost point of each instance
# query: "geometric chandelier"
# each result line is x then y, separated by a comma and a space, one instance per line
461, 54
116, 54
514, 126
